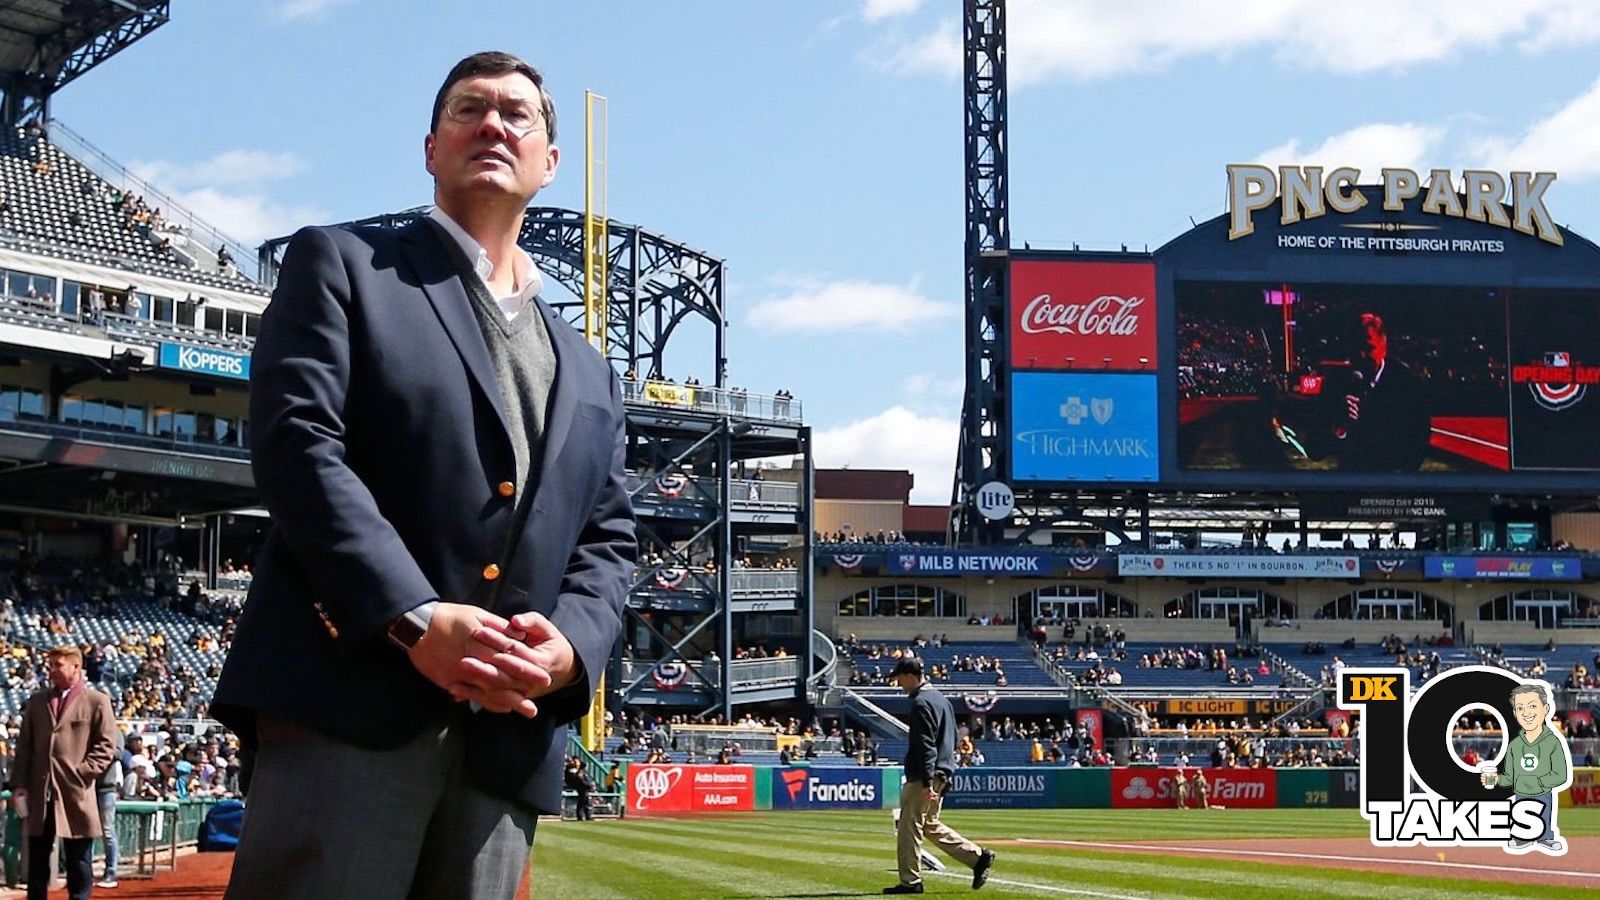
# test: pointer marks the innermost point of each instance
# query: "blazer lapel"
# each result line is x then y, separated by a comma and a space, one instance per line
441, 282
563, 394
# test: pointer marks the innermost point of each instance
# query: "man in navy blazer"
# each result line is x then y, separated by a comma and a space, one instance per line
452, 538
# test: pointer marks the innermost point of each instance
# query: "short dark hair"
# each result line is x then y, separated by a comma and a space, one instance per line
495, 62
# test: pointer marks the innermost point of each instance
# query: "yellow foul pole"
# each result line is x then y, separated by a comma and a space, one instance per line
594, 222
591, 730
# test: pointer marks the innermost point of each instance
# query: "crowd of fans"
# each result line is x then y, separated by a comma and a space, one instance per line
1216, 358
892, 536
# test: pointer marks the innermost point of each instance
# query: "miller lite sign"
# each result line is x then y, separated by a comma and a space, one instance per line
1089, 316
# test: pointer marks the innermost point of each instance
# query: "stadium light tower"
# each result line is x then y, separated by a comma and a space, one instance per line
988, 239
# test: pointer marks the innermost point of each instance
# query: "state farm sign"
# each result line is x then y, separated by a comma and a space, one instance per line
666, 789
1083, 315
1155, 788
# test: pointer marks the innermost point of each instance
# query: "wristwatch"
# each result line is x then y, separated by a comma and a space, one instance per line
406, 630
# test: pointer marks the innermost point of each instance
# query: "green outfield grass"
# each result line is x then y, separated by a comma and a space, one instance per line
851, 854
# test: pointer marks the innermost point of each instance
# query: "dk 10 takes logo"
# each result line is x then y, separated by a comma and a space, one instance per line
1406, 740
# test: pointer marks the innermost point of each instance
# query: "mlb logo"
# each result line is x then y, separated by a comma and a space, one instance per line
908, 562
1558, 359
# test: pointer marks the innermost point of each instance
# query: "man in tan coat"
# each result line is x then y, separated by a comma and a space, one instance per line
68, 739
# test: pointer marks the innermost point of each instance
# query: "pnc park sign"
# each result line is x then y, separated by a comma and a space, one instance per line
1309, 192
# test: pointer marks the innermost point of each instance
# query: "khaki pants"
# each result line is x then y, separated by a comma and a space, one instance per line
919, 817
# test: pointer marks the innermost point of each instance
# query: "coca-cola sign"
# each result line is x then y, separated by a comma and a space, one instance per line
1106, 314
1097, 316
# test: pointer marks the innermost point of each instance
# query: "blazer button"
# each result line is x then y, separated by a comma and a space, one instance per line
491, 572
506, 488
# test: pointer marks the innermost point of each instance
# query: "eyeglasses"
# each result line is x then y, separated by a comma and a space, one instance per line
518, 117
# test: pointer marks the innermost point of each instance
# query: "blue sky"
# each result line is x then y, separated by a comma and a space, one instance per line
817, 146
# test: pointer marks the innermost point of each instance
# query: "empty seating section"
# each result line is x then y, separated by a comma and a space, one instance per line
1133, 675
1312, 664
1016, 660
52, 197
1559, 661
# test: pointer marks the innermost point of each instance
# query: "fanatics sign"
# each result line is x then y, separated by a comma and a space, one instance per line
1083, 315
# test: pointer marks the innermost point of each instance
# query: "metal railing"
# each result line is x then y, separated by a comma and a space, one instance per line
747, 493
744, 674
822, 648
175, 213
735, 402
763, 494
878, 719
1200, 746
141, 329
187, 444
707, 675
764, 582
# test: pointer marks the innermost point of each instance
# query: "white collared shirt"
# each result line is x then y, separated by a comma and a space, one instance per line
520, 296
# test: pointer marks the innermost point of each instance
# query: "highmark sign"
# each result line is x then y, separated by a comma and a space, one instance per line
1309, 194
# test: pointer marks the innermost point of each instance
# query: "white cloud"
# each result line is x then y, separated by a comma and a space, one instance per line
936, 53
896, 439
305, 9
1567, 142
226, 191
926, 385
1091, 39
248, 217
227, 167
814, 307
877, 10
1367, 147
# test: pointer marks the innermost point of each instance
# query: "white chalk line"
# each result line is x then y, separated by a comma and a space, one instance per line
1323, 856
1047, 888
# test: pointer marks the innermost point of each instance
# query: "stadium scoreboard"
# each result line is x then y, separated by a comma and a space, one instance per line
1322, 335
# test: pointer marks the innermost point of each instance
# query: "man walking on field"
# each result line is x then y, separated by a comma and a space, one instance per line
930, 763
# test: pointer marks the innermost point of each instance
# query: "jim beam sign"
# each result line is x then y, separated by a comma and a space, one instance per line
1309, 193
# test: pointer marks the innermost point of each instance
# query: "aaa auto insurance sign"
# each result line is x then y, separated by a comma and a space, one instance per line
655, 790
1097, 316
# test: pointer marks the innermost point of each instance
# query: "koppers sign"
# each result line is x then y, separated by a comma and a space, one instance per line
205, 360
1079, 315
827, 788
1156, 788
659, 789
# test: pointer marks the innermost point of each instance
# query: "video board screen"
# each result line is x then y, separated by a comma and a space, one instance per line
1319, 377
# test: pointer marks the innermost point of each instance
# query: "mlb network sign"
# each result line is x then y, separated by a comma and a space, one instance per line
827, 788
205, 361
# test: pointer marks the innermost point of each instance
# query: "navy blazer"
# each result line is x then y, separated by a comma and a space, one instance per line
379, 444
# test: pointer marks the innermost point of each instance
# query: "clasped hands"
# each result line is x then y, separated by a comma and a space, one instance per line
500, 664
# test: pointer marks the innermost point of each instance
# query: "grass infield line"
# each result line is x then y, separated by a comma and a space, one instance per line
1323, 856
1047, 888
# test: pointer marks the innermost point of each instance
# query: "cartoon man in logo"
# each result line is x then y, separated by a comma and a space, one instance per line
1538, 763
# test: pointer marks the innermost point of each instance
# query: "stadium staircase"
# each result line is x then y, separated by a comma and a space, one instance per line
874, 719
